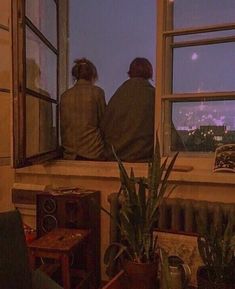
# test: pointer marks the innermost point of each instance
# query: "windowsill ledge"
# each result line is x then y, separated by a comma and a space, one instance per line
109, 170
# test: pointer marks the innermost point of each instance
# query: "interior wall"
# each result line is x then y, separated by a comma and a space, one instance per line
6, 183
6, 172
105, 185
210, 192
5, 78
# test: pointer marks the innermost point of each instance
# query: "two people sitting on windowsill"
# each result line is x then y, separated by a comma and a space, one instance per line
89, 127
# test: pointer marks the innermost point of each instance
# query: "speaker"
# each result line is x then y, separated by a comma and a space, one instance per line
72, 208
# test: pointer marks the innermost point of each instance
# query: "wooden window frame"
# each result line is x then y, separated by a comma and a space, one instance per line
165, 46
19, 24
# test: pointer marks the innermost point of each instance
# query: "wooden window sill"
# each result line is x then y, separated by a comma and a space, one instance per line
183, 173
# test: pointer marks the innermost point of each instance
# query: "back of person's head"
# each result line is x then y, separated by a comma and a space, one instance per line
84, 69
141, 67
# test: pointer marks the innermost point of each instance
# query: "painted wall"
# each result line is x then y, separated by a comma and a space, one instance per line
5, 78
6, 173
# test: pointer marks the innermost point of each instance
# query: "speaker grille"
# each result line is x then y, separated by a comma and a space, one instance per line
49, 206
48, 223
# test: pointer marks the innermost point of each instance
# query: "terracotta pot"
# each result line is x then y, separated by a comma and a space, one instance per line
204, 283
141, 275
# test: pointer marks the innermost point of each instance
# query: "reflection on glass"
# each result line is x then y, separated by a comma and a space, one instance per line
40, 126
204, 68
202, 126
5, 63
41, 66
209, 35
42, 14
191, 13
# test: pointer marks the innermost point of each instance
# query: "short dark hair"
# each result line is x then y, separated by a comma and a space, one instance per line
141, 67
84, 69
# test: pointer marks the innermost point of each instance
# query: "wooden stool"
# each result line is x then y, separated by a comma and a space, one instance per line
59, 244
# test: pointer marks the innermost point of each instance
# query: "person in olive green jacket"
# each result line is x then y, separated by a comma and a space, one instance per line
128, 122
81, 110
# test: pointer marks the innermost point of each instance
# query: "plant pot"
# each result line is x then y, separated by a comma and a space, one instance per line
204, 282
141, 275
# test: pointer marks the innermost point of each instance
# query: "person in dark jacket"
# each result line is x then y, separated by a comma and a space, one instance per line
128, 122
81, 110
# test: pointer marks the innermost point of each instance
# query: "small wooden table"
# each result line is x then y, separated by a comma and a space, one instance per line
58, 244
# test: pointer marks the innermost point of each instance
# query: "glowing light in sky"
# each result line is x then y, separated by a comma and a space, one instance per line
194, 56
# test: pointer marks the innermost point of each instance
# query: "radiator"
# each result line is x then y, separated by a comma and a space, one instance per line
178, 215
177, 227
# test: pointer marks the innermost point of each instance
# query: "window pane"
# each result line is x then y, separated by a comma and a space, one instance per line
191, 13
43, 15
41, 66
202, 126
40, 126
5, 63
204, 68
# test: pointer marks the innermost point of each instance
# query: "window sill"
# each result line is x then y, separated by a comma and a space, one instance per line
183, 173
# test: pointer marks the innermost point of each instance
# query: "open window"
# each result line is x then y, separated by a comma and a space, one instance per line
36, 86
195, 85
38, 54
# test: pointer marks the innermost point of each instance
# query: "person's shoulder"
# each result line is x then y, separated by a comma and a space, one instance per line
67, 92
98, 89
149, 85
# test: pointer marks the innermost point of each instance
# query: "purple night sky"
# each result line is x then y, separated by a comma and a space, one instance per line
111, 33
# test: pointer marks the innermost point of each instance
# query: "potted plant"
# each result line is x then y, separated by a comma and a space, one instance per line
140, 200
216, 247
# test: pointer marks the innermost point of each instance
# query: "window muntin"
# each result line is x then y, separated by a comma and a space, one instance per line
206, 36
202, 125
43, 15
41, 66
204, 68
202, 12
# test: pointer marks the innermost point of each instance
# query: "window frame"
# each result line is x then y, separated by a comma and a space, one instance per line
165, 46
19, 24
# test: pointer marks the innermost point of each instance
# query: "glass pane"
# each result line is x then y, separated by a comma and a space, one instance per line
205, 68
209, 35
5, 124
202, 126
5, 62
191, 13
43, 13
40, 126
41, 66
